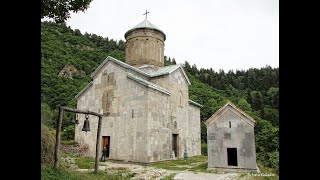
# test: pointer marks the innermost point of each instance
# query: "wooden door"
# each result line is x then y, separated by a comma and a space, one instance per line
106, 143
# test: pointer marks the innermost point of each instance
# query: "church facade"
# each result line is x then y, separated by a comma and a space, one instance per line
151, 117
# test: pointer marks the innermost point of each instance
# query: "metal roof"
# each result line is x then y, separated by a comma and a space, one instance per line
145, 24
194, 103
148, 83
167, 70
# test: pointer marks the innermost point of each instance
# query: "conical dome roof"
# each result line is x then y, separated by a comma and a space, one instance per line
145, 24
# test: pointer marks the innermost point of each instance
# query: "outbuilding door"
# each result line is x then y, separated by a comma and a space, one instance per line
232, 157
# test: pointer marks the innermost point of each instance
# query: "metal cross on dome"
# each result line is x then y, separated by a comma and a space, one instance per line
146, 13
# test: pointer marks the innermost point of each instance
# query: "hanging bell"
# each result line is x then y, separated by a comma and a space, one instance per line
86, 125
72, 120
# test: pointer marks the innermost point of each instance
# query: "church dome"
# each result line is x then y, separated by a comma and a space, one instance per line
145, 24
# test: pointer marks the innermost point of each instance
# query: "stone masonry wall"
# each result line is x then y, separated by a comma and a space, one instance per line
240, 136
125, 98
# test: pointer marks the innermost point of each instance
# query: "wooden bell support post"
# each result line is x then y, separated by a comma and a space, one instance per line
58, 130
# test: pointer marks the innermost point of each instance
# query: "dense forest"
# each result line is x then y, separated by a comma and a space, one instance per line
68, 57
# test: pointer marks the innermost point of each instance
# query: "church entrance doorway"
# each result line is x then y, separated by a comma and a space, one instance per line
232, 157
106, 143
175, 146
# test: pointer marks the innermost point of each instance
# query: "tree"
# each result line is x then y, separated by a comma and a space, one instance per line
174, 61
59, 10
244, 105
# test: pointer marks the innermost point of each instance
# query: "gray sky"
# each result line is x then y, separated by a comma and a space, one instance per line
218, 34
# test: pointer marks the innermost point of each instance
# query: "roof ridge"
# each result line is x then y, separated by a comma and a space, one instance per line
229, 103
148, 83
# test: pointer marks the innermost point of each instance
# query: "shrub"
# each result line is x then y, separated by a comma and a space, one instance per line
47, 144
68, 133
204, 149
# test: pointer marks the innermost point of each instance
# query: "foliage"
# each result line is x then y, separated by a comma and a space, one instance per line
204, 149
203, 132
244, 105
59, 10
47, 144
68, 133
46, 114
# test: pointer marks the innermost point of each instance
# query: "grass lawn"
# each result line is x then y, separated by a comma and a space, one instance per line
195, 163
49, 173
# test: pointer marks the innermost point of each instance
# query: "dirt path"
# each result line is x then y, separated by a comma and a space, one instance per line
204, 176
145, 173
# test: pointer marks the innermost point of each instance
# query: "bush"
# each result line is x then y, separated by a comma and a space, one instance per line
47, 144
204, 149
68, 133
274, 160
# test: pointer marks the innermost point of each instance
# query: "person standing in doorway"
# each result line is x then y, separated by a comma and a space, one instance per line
104, 154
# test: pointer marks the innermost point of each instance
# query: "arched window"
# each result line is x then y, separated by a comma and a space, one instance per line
180, 99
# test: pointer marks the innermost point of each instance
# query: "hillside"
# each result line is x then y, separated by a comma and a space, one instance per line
68, 57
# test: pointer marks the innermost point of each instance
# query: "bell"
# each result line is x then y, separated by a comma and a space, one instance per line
86, 125
72, 120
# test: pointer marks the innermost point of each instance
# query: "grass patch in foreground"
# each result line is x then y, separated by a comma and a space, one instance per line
85, 162
49, 173
181, 164
266, 173
201, 168
170, 177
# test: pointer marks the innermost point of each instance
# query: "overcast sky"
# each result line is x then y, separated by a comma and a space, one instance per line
218, 34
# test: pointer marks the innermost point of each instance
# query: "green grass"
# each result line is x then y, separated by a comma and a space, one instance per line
170, 177
200, 168
49, 173
68, 142
85, 162
263, 171
174, 165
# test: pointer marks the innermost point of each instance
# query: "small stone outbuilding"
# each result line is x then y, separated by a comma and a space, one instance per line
231, 142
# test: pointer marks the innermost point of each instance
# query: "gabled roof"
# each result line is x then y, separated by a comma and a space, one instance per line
167, 70
148, 84
214, 118
84, 89
194, 103
161, 71
125, 65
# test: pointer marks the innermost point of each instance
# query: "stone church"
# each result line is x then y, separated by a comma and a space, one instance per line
151, 117
231, 144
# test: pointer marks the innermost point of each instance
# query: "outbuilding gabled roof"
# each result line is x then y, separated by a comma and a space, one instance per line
215, 116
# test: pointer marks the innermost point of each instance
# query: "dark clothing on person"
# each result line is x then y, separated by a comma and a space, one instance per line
104, 154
